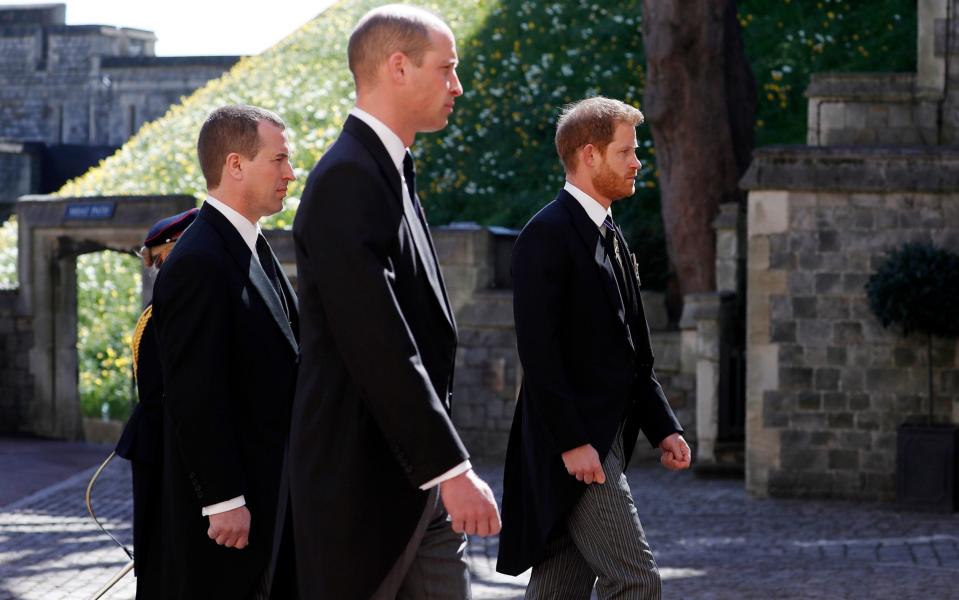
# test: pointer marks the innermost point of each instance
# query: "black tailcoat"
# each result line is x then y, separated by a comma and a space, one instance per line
371, 414
587, 368
228, 355
141, 443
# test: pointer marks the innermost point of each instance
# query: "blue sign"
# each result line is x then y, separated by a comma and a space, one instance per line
90, 211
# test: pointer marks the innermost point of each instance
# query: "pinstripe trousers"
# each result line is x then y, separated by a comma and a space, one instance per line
603, 539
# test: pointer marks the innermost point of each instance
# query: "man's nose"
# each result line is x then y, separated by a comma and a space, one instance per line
457, 88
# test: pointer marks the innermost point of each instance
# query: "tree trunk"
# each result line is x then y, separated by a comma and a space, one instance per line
700, 103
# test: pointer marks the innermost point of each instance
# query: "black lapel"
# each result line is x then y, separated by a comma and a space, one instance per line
633, 278
243, 257
440, 287
423, 243
589, 234
292, 302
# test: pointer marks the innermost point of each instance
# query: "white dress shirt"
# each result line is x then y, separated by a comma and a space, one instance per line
249, 232
397, 152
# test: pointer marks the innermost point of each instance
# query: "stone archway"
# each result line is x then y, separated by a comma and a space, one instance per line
53, 232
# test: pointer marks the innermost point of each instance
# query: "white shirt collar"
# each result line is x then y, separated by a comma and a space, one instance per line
247, 230
392, 142
597, 214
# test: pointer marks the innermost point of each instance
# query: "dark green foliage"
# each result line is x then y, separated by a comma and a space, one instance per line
496, 164
917, 289
789, 40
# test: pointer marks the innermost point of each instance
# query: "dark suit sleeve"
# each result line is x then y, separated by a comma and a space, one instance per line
655, 415
538, 269
192, 312
349, 238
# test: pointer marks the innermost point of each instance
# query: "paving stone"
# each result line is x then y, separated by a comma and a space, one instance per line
710, 540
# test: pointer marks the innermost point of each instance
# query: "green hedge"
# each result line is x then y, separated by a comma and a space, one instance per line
108, 302
521, 60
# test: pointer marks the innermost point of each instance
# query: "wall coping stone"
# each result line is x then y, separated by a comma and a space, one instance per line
121, 62
24, 30
933, 169
700, 306
862, 87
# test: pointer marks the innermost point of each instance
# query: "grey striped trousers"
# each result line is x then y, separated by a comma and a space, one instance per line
604, 540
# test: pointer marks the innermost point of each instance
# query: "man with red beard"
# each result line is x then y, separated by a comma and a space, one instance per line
588, 380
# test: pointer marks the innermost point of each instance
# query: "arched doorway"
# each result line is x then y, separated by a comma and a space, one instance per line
52, 233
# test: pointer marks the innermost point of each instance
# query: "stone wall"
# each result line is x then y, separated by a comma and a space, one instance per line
488, 372
898, 109
86, 84
827, 385
869, 109
942, 40
16, 382
19, 173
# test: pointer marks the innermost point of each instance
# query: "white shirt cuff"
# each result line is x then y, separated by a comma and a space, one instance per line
457, 470
221, 507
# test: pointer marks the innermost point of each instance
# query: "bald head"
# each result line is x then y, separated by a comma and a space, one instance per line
386, 30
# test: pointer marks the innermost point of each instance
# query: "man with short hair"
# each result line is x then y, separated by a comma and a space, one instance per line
588, 382
226, 321
382, 488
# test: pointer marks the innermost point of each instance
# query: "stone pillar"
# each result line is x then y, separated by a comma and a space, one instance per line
701, 318
931, 43
487, 365
768, 215
728, 248
930, 49
465, 252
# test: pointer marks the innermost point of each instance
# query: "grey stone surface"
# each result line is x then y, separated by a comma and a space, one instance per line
710, 539
89, 84
854, 169
838, 373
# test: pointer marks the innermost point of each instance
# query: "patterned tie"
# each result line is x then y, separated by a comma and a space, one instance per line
611, 243
266, 261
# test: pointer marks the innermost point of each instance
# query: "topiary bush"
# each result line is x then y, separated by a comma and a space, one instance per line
916, 289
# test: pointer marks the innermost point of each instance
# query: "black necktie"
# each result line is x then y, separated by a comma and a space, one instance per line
266, 261
611, 244
409, 174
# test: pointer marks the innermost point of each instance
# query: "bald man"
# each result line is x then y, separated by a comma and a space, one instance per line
381, 483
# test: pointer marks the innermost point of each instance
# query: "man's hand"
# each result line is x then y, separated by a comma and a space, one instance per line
471, 505
231, 528
675, 453
583, 464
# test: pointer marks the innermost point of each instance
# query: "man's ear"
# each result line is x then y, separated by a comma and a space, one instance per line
396, 67
233, 166
588, 156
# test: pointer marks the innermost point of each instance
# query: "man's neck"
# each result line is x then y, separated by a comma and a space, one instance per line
388, 113
229, 199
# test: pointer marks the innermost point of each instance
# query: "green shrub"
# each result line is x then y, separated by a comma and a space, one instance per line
8, 254
108, 303
915, 288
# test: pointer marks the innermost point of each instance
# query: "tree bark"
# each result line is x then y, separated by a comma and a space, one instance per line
700, 103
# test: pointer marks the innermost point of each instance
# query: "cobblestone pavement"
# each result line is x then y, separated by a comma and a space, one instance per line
710, 540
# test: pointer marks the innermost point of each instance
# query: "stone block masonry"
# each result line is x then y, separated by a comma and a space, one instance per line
827, 385
16, 382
